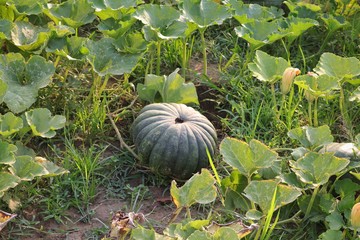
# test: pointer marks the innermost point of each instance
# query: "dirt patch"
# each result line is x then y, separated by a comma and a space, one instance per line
157, 209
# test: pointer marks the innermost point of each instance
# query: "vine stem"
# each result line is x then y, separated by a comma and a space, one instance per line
122, 142
158, 59
310, 113
311, 203
316, 122
203, 46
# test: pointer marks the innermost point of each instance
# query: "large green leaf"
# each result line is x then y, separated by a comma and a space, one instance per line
318, 86
105, 59
7, 181
185, 228
245, 13
116, 28
131, 43
73, 13
267, 68
205, 12
200, 188
312, 137
297, 26
73, 48
316, 169
162, 19
260, 33
5, 29
339, 67
171, 88
7, 153
334, 23
28, 7
42, 123
26, 168
331, 234
10, 124
261, 193
247, 158
112, 4
29, 37
24, 79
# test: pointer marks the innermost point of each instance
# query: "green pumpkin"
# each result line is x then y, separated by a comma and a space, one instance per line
172, 139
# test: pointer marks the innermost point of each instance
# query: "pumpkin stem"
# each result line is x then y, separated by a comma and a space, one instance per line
178, 120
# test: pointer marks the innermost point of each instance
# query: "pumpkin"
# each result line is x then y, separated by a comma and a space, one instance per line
172, 139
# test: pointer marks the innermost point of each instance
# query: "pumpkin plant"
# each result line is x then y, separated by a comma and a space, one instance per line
172, 139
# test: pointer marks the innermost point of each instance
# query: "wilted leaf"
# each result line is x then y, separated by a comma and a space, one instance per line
198, 189
312, 137
261, 192
42, 123
171, 88
10, 124
247, 158
26, 168
51, 167
29, 37
105, 59
316, 169
24, 79
205, 12
339, 67
267, 68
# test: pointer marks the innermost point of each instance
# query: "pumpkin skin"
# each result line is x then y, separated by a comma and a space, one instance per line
172, 139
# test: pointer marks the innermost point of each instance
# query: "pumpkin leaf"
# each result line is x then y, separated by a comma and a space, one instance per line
10, 124
355, 95
29, 37
198, 189
267, 68
73, 13
112, 4
200, 235
5, 26
26, 168
24, 79
131, 43
331, 234
247, 158
51, 168
245, 13
205, 13
28, 7
171, 88
42, 123
297, 26
162, 19
312, 137
318, 86
7, 153
334, 23
105, 59
261, 33
335, 220
73, 48
316, 169
261, 192
339, 67
7, 181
